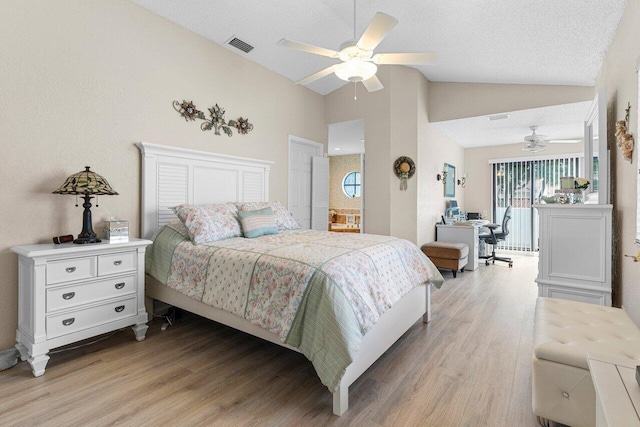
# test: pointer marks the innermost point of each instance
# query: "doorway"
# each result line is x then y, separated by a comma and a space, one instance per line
346, 176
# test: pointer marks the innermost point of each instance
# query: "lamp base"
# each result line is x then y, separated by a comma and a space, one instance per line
87, 235
83, 240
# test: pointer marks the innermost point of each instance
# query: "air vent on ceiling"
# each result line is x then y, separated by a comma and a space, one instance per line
239, 44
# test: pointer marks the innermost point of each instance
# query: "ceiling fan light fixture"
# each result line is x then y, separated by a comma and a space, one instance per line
349, 51
355, 70
534, 147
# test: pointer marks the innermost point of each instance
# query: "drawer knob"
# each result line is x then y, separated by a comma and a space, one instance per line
68, 295
67, 322
120, 285
117, 262
119, 308
70, 269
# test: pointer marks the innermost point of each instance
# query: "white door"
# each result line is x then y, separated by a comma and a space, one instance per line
320, 193
362, 193
300, 153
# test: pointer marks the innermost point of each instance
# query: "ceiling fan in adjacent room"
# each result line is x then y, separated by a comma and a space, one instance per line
359, 64
536, 142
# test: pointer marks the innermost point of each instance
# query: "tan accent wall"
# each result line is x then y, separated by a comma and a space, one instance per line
618, 76
82, 81
339, 166
448, 101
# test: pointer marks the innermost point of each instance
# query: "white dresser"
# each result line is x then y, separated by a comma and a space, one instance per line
71, 292
575, 252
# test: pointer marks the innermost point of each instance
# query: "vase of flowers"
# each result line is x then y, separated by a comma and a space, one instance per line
580, 184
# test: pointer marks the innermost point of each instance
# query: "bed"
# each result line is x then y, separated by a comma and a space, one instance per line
173, 176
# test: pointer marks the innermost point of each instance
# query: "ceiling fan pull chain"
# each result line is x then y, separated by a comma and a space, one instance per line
355, 91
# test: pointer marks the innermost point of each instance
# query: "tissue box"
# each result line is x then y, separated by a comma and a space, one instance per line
116, 231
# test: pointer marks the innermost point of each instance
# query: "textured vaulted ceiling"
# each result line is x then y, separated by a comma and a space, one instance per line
555, 122
556, 42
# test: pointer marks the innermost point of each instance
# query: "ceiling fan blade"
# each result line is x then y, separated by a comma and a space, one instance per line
315, 76
404, 58
564, 141
377, 30
372, 84
308, 48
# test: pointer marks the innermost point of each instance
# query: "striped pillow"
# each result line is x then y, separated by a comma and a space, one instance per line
257, 223
284, 219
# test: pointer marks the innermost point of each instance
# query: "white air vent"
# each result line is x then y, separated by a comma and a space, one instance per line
239, 44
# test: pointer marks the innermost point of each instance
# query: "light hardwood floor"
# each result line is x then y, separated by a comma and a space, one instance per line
469, 367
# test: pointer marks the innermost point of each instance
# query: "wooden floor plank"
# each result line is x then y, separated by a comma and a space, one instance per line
470, 366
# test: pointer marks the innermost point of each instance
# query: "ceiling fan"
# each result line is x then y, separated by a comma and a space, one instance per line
536, 142
359, 64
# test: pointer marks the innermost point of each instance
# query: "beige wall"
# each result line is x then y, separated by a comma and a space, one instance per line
396, 123
339, 166
448, 101
82, 81
618, 76
434, 150
478, 187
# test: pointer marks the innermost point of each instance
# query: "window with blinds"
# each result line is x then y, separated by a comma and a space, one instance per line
520, 184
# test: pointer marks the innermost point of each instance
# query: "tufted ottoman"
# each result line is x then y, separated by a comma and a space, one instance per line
564, 332
449, 255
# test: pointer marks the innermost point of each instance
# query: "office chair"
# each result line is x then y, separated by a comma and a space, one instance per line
494, 237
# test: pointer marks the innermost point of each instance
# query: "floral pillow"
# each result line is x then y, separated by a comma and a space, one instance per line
209, 223
284, 219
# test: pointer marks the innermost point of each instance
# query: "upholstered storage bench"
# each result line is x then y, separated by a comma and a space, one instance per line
448, 255
565, 331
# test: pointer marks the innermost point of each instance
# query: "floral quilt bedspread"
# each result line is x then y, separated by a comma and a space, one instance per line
313, 289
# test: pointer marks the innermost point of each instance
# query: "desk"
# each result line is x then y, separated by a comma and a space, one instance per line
617, 392
459, 233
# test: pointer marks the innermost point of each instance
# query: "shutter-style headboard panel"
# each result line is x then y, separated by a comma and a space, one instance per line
172, 176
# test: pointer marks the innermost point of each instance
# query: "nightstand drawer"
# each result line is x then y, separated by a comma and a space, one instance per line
70, 269
72, 321
70, 296
116, 263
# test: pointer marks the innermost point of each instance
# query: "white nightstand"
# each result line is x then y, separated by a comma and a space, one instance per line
71, 292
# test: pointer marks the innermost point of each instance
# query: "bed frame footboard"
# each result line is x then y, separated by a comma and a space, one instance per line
391, 326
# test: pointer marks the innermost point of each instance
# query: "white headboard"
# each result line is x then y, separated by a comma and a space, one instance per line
172, 176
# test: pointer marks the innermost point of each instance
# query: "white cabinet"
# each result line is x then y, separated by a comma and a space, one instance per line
575, 252
467, 234
71, 292
617, 391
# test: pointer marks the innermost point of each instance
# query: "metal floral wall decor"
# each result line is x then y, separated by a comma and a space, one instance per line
217, 121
